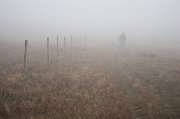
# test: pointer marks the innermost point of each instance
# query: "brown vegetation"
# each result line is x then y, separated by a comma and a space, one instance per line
89, 84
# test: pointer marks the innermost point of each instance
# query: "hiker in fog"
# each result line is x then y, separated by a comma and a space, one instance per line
122, 39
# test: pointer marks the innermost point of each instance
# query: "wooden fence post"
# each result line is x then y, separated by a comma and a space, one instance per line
71, 42
65, 46
48, 58
57, 46
25, 56
80, 41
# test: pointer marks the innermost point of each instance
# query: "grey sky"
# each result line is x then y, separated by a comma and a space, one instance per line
139, 18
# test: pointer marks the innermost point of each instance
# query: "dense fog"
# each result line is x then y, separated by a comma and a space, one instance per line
89, 59
154, 21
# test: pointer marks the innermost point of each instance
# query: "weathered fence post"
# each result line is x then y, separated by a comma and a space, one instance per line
25, 56
71, 42
80, 41
48, 58
65, 46
57, 46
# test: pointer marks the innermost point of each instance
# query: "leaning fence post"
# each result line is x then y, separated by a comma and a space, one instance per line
48, 59
25, 56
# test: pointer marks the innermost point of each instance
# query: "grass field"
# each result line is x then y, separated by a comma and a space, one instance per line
89, 83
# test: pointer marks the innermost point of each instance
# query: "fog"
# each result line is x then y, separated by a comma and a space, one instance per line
141, 20
89, 59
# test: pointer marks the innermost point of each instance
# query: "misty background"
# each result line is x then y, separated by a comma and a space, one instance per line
148, 21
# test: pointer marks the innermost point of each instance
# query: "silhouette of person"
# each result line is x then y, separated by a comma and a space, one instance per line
122, 39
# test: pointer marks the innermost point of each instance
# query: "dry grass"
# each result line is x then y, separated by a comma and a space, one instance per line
90, 84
